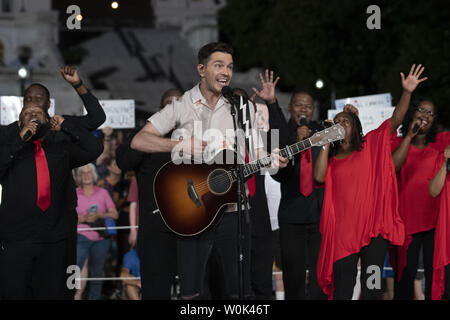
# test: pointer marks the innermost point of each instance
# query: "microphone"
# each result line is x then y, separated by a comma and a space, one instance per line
29, 133
303, 121
448, 165
227, 92
416, 127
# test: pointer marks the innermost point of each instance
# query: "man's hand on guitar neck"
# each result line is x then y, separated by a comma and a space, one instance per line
278, 162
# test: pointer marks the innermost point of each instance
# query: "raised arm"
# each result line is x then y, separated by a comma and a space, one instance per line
321, 164
267, 92
95, 116
437, 183
399, 155
409, 84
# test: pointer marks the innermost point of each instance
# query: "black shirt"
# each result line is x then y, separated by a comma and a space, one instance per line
294, 207
95, 114
94, 118
146, 166
20, 218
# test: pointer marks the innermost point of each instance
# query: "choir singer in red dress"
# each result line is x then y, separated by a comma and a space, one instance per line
360, 212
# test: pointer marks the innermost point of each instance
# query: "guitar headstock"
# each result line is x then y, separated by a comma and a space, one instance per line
331, 134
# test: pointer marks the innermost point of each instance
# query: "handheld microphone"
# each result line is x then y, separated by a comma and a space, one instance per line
29, 133
416, 127
303, 121
448, 165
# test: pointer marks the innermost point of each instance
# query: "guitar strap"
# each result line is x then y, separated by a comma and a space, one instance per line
245, 124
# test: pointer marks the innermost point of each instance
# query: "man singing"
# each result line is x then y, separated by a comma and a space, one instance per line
35, 167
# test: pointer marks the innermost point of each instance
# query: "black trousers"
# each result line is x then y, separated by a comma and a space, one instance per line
194, 253
446, 295
33, 270
157, 250
404, 289
71, 254
262, 257
300, 244
372, 262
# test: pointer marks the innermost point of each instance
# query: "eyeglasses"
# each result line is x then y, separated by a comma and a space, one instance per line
422, 110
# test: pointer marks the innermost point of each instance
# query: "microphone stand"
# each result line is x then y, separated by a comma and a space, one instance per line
242, 198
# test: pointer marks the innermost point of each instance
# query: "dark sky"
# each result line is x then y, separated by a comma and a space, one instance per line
100, 13
98, 17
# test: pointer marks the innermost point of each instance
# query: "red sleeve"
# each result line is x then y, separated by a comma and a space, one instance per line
437, 166
395, 142
442, 240
442, 141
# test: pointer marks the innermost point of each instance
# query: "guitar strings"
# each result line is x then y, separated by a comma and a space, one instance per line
203, 186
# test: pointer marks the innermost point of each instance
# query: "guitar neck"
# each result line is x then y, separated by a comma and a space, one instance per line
288, 152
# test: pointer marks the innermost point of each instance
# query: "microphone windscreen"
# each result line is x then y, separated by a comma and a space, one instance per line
227, 92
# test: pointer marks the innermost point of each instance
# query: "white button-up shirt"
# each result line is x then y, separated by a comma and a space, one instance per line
193, 117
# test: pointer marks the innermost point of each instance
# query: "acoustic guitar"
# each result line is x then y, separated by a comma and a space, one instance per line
190, 196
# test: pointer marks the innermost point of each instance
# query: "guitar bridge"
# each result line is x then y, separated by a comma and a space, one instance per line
193, 193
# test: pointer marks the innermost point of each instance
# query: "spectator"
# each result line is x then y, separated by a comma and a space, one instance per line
94, 205
131, 268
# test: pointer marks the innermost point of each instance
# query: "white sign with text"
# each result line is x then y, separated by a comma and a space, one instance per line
10, 107
119, 113
381, 100
370, 118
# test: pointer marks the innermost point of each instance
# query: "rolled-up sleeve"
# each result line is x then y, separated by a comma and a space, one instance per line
166, 119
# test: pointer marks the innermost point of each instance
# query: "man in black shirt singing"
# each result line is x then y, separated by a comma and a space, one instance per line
36, 160
301, 202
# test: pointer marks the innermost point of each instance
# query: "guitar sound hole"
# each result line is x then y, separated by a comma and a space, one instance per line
219, 181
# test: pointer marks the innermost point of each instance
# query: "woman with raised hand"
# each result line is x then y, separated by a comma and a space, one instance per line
360, 211
415, 155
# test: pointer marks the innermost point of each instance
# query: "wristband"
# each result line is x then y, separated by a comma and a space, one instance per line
79, 84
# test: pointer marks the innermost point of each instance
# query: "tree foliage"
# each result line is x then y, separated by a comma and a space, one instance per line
303, 40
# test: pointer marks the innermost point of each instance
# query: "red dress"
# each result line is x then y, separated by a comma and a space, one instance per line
441, 240
417, 207
360, 203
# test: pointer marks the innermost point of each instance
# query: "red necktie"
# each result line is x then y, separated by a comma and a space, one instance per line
43, 177
250, 182
306, 183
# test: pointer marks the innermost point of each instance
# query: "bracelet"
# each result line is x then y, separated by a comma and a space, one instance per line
79, 84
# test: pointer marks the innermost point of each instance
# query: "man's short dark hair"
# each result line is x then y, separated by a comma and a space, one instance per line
207, 50
47, 92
